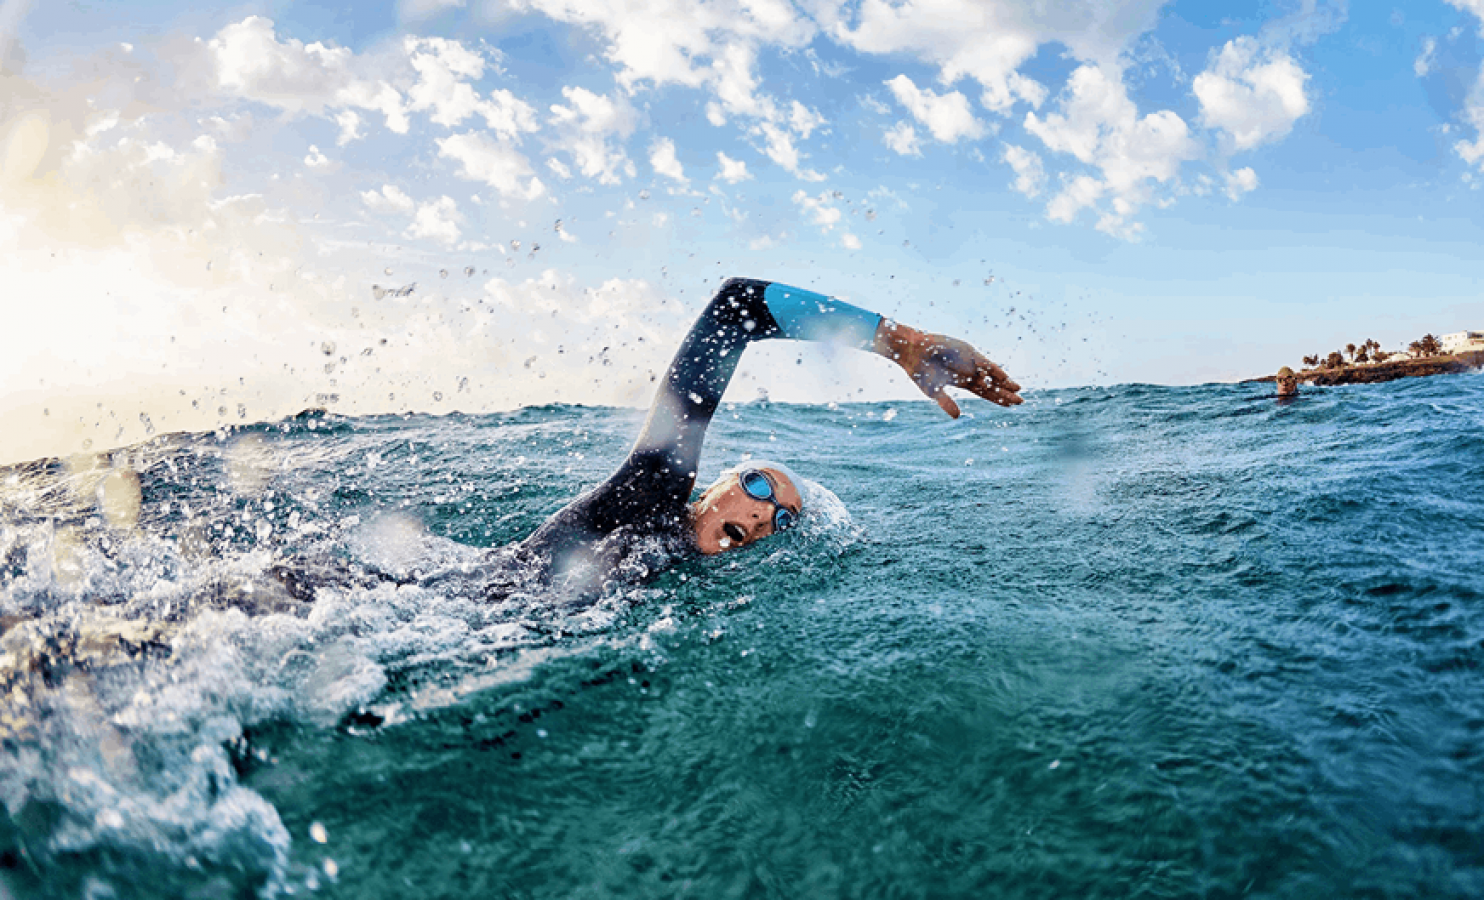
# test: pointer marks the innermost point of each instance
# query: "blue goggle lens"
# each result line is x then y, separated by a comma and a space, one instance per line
758, 487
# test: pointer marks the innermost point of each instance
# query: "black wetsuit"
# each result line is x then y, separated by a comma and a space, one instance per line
645, 504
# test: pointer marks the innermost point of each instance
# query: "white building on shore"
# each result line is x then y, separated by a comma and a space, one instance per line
1462, 341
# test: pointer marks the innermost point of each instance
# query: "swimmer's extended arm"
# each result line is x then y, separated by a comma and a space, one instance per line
745, 310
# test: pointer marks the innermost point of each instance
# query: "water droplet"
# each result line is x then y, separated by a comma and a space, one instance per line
327, 348
437, 396
644, 195
515, 246
317, 832
468, 271
442, 273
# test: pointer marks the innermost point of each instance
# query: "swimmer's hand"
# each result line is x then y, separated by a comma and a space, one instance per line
935, 362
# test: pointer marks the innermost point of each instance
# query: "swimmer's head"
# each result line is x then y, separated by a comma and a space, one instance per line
1287, 382
746, 504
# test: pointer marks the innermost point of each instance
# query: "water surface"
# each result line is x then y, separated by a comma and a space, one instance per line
1120, 642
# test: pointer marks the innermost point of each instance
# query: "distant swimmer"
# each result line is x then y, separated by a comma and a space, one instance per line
648, 497
1287, 383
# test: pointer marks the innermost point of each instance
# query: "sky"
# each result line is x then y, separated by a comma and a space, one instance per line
221, 213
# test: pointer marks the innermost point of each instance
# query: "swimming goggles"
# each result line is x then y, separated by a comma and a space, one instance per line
760, 487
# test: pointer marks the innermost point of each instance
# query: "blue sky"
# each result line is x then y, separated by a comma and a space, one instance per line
205, 206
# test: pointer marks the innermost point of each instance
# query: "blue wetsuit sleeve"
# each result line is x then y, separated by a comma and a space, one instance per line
804, 315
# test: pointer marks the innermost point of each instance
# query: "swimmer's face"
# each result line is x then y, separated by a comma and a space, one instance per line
1287, 387
728, 518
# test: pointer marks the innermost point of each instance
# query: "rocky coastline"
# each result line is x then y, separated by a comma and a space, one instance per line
1391, 370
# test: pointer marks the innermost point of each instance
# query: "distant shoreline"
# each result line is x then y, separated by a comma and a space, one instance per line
1373, 373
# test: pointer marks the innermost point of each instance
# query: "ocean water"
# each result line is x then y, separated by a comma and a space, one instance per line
1120, 642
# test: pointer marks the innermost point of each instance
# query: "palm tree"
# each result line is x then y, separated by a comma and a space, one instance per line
1335, 360
1415, 348
1431, 346
1350, 350
1311, 361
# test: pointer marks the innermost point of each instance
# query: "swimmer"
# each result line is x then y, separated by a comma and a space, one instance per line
649, 495
1287, 383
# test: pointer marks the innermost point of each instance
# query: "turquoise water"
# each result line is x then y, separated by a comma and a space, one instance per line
1120, 642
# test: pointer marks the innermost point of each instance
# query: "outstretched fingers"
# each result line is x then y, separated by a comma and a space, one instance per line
996, 376
990, 382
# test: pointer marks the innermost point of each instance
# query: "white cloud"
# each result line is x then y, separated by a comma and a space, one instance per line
1240, 182
988, 40
850, 241
584, 127
663, 43
707, 44
947, 117
316, 159
350, 127
902, 138
251, 63
496, 163
390, 197
444, 69
1100, 126
804, 120
1471, 6
1080, 192
819, 209
732, 170
1422, 65
1030, 175
779, 147
662, 158
1252, 95
1472, 152
437, 220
